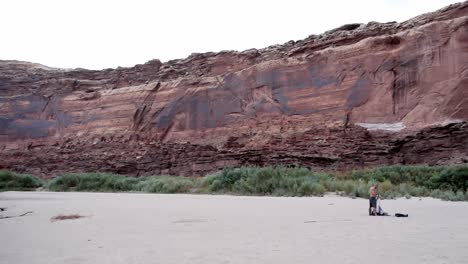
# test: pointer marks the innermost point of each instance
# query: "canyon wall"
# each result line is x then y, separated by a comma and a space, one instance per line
361, 95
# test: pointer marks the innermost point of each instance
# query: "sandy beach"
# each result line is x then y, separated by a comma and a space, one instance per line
155, 228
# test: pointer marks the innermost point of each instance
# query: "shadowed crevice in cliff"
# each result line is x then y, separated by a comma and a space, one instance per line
142, 111
359, 94
49, 98
394, 100
405, 78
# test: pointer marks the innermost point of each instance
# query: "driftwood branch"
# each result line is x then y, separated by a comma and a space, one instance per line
13, 216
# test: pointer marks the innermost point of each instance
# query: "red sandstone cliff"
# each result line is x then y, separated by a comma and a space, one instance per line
304, 103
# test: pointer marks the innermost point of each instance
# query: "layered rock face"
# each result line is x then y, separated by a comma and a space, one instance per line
357, 96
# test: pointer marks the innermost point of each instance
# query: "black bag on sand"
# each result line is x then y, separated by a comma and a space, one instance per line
401, 215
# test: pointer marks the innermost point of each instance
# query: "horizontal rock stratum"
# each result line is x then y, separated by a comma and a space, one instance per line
361, 95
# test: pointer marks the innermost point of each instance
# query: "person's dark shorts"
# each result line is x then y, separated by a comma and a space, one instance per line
373, 202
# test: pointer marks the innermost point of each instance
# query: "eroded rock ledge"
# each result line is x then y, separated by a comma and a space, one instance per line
299, 103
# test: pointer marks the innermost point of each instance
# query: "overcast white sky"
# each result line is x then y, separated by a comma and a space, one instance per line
98, 34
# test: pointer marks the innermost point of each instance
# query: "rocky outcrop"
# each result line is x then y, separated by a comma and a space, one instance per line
301, 103
331, 149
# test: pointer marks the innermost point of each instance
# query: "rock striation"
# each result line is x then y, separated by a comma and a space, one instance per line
357, 96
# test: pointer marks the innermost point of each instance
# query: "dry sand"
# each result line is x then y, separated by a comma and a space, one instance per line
151, 228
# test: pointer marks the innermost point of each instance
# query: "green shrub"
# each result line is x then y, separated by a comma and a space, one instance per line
308, 188
106, 182
92, 182
208, 180
165, 184
453, 178
385, 188
449, 195
10, 181
416, 191
277, 181
440, 177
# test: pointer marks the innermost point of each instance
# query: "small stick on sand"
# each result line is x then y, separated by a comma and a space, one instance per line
13, 216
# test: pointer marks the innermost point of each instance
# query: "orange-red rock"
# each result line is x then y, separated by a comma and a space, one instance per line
302, 103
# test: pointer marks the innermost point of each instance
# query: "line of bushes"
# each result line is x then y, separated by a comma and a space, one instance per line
447, 183
444, 182
107, 182
453, 178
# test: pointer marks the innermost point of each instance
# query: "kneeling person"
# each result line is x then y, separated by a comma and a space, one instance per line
374, 206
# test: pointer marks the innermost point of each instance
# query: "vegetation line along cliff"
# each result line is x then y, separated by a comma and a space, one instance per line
361, 95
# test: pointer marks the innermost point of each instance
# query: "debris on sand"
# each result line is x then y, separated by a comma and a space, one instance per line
66, 217
13, 216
